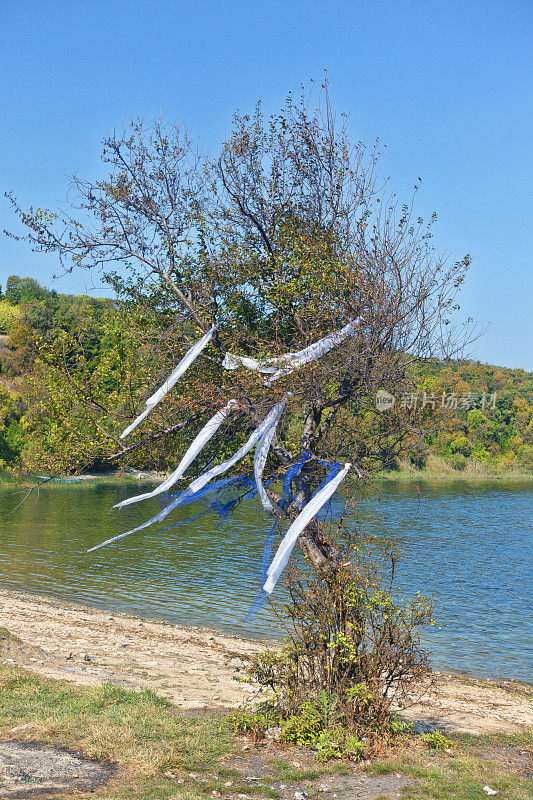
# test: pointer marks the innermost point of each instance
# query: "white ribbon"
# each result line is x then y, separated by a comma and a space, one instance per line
280, 560
284, 365
172, 379
270, 420
261, 454
234, 362
198, 443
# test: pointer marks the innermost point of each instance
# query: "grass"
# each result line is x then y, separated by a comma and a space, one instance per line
522, 738
441, 468
288, 772
161, 754
138, 731
423, 475
461, 774
452, 475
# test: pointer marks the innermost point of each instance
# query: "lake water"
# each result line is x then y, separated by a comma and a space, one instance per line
468, 544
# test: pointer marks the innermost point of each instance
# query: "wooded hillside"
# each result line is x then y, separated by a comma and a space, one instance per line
57, 348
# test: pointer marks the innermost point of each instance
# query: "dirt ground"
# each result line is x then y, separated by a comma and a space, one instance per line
255, 765
28, 770
195, 668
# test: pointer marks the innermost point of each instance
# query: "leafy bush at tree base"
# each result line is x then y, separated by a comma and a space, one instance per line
351, 648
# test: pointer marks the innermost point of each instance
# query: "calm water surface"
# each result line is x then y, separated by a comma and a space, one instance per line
470, 545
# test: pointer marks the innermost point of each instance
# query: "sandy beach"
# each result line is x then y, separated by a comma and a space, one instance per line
195, 667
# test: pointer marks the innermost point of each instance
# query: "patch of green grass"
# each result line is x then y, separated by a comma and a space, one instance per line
337, 768
266, 791
520, 739
140, 732
144, 790
403, 764
137, 730
459, 777
468, 787
287, 772
229, 772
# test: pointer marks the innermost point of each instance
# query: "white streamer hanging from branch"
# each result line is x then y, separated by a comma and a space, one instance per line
198, 443
270, 420
284, 365
172, 379
280, 560
261, 454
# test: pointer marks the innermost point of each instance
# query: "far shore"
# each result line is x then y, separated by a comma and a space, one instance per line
422, 475
135, 476
195, 668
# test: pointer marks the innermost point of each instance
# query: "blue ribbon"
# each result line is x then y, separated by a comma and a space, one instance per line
256, 605
294, 469
333, 471
291, 474
223, 508
214, 493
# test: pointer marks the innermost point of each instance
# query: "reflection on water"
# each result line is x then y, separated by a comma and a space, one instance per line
468, 544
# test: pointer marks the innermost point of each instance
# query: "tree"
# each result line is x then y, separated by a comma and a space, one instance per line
283, 238
23, 290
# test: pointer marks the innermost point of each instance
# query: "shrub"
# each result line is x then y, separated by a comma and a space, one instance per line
458, 461
461, 445
437, 741
526, 458
351, 647
8, 314
418, 454
12, 434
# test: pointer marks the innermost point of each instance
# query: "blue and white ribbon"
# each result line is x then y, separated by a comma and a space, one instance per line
327, 488
293, 470
172, 379
220, 499
280, 560
189, 494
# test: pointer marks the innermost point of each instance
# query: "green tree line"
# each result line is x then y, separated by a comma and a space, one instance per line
57, 350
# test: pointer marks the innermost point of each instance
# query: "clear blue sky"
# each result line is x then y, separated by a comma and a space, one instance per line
445, 85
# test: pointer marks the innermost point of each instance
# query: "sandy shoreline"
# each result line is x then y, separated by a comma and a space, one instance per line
195, 667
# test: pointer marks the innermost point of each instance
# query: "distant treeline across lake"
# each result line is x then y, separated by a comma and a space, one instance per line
479, 416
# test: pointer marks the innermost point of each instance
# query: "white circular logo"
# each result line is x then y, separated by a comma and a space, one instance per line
384, 400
